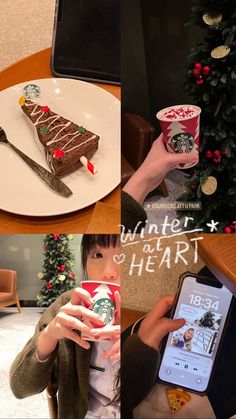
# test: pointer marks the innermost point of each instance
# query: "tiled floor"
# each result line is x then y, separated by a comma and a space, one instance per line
26, 27
15, 330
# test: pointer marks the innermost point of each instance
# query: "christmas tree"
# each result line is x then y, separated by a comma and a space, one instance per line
57, 274
211, 81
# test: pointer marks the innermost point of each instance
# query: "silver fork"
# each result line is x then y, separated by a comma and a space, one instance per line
51, 180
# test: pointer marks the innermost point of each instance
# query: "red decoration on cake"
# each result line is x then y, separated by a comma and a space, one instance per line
227, 230
45, 109
88, 165
58, 154
56, 236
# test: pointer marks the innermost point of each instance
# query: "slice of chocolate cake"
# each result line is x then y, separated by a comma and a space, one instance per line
64, 141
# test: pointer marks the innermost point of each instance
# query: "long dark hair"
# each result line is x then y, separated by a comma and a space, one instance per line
91, 241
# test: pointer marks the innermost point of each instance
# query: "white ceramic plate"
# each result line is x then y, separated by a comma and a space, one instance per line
21, 191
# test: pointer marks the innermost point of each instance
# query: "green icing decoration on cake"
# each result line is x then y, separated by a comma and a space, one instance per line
81, 129
44, 131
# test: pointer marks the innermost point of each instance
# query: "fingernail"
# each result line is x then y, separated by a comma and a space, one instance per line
100, 321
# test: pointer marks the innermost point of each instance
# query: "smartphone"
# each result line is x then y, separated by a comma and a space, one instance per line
189, 354
86, 40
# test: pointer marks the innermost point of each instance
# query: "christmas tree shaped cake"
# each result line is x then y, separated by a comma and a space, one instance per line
65, 143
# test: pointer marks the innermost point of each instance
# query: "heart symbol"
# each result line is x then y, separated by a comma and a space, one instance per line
119, 258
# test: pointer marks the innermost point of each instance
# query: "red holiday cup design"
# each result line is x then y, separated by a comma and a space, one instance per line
180, 126
102, 294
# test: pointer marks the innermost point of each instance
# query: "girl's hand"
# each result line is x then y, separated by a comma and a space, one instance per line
154, 327
113, 352
117, 301
69, 318
154, 168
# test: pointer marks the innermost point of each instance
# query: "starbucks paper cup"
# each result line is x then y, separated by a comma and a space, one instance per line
102, 294
180, 127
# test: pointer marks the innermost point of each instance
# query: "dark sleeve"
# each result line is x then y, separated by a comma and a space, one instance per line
133, 216
29, 375
139, 365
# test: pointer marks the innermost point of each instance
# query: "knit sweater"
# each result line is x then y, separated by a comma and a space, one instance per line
133, 216
67, 368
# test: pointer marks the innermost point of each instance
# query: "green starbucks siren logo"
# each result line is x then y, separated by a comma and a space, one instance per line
182, 142
105, 308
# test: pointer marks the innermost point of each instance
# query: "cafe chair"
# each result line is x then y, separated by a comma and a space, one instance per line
136, 140
8, 289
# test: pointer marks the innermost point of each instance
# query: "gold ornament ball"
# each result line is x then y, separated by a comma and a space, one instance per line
220, 52
209, 185
211, 18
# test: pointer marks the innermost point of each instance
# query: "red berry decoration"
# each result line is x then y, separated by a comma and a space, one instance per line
49, 286
217, 159
198, 66
56, 236
227, 230
58, 154
206, 70
233, 225
196, 72
62, 268
44, 109
200, 80
217, 153
72, 275
208, 154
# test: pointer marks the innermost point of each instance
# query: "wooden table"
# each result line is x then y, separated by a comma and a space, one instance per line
37, 66
219, 253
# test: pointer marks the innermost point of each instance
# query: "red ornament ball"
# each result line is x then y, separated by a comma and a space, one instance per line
233, 225
198, 66
72, 275
55, 236
227, 230
206, 70
196, 72
49, 286
217, 159
217, 153
200, 80
208, 154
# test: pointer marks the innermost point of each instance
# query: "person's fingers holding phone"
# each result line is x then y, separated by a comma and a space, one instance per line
155, 326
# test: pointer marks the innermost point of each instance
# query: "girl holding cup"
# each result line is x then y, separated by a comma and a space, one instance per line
83, 374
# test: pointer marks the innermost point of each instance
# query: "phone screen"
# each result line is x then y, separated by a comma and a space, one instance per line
87, 39
190, 351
